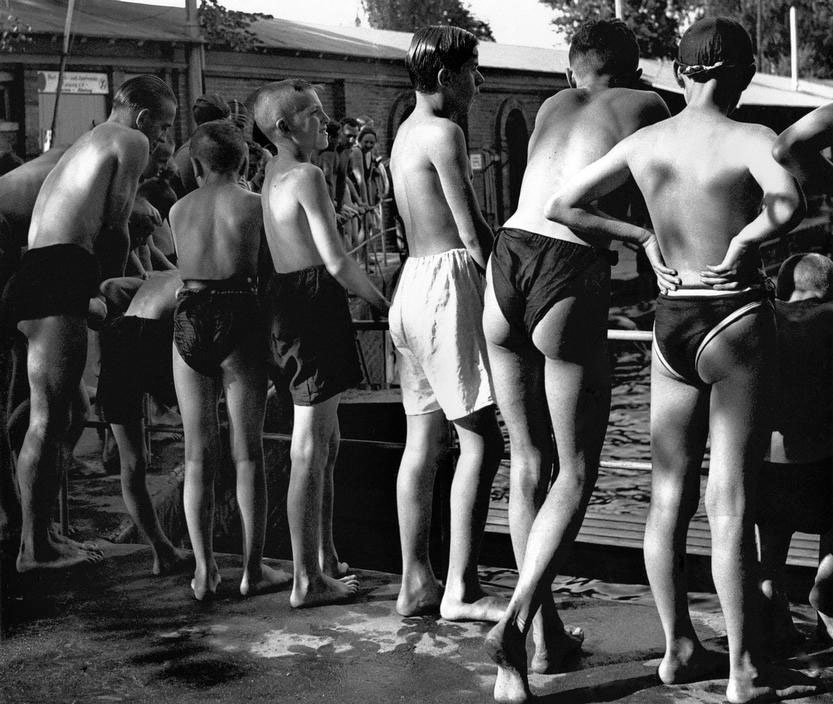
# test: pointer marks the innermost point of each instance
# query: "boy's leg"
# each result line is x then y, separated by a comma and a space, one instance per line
821, 595
774, 537
244, 379
9, 496
197, 396
311, 435
518, 376
577, 383
130, 438
738, 363
327, 553
56, 356
481, 449
426, 442
679, 428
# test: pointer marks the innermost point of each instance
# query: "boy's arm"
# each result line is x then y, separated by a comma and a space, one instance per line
799, 146
158, 261
451, 161
314, 199
783, 208
572, 207
113, 241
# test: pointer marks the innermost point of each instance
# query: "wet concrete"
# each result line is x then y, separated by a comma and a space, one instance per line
113, 632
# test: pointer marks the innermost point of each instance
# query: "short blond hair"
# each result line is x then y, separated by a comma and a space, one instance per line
276, 100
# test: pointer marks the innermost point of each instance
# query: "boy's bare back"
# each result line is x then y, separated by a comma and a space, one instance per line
700, 174
293, 199
92, 184
424, 148
217, 231
572, 129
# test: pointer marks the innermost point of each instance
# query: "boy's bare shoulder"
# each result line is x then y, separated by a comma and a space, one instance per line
646, 104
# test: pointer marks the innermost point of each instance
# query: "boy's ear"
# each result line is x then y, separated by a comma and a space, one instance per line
142, 118
443, 77
677, 75
283, 127
199, 170
571, 79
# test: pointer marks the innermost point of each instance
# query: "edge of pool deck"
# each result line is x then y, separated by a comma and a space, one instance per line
112, 632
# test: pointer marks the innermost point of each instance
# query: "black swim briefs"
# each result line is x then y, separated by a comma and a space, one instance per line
688, 319
56, 280
9, 262
213, 318
311, 335
532, 272
135, 359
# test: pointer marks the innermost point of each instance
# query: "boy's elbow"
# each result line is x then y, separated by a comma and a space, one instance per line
781, 151
556, 210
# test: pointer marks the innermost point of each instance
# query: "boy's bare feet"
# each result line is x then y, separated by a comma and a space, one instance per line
56, 538
55, 556
472, 607
205, 583
419, 595
690, 662
555, 649
772, 684
171, 561
324, 590
506, 645
269, 580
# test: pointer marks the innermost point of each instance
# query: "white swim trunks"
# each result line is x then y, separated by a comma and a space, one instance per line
437, 328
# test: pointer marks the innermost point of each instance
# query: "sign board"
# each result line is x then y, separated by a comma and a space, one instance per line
476, 161
74, 82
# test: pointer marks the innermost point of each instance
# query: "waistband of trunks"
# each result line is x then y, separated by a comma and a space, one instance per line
234, 284
610, 256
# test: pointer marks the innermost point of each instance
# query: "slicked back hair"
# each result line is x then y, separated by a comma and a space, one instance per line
276, 100
145, 92
605, 47
219, 145
436, 47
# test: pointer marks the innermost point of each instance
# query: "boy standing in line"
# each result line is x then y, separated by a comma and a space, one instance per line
312, 338
545, 319
219, 345
436, 326
714, 193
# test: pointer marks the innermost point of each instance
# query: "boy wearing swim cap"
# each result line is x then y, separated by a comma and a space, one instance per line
714, 193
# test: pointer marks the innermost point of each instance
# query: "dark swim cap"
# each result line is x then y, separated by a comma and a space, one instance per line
712, 43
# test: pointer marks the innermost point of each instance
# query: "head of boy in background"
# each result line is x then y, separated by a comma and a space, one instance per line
443, 59
716, 48
805, 276
348, 133
209, 107
148, 104
217, 147
604, 49
367, 139
290, 114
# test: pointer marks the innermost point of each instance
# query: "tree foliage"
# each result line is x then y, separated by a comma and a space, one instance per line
228, 28
409, 15
658, 25
13, 33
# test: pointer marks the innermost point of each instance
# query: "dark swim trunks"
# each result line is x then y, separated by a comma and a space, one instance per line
311, 335
213, 318
796, 495
56, 280
689, 318
135, 359
532, 272
9, 262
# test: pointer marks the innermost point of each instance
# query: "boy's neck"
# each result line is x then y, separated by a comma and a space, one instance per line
216, 178
594, 83
290, 154
706, 97
437, 104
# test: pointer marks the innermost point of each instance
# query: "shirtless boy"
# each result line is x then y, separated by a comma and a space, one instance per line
795, 492
220, 346
714, 193
545, 319
312, 341
436, 326
77, 234
136, 359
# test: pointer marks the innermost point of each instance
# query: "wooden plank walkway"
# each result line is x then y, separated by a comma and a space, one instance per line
628, 530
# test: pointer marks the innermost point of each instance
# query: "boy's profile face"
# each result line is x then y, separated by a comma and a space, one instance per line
465, 83
309, 125
155, 124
